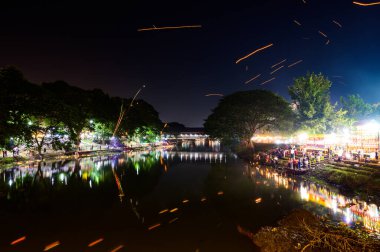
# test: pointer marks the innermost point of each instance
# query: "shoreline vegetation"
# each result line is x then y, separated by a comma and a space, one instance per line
300, 230
9, 162
355, 178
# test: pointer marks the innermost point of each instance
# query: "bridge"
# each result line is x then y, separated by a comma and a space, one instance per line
186, 134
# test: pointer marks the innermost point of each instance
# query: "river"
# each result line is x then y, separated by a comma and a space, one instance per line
190, 198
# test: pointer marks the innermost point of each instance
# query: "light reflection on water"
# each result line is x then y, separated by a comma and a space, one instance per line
97, 170
352, 211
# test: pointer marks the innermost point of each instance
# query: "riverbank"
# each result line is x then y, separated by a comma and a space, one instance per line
362, 181
352, 178
9, 162
303, 231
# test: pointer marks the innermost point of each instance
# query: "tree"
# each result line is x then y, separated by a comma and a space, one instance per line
140, 114
238, 116
311, 94
144, 134
356, 108
75, 107
15, 95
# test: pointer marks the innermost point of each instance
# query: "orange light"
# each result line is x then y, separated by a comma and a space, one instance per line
185, 201
366, 4
295, 63
258, 200
163, 211
95, 242
203, 199
337, 23
169, 27
18, 240
154, 226
220, 193
267, 81
117, 248
174, 210
51, 245
276, 70
173, 220
252, 53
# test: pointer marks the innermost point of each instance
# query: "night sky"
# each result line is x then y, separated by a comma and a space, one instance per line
95, 44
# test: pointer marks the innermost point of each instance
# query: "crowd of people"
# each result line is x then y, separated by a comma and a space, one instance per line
293, 157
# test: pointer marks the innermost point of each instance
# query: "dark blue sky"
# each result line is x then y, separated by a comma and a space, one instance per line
96, 45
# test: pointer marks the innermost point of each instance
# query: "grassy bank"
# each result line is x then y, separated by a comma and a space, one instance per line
358, 180
352, 179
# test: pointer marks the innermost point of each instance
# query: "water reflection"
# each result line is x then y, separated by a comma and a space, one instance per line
142, 181
201, 145
94, 170
352, 211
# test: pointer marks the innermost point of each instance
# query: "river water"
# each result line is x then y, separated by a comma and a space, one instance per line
190, 198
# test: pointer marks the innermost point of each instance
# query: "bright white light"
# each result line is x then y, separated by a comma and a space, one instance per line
91, 121
348, 216
304, 193
62, 177
10, 182
346, 132
302, 137
330, 139
371, 127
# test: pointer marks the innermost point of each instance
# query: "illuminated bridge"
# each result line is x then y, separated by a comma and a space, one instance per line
186, 134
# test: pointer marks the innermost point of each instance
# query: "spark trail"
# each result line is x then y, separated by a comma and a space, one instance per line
154, 28
254, 52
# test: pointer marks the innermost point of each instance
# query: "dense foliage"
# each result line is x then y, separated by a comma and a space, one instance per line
56, 114
315, 112
238, 116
